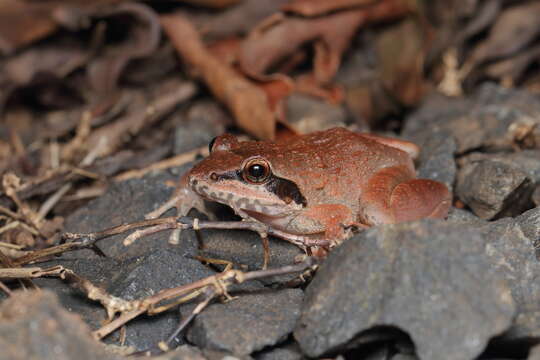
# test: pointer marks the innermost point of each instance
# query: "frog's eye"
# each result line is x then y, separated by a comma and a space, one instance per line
256, 171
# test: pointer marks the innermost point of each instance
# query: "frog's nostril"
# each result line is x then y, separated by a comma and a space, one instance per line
214, 176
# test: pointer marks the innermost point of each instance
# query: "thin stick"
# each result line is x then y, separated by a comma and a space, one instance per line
52, 201
174, 161
5, 289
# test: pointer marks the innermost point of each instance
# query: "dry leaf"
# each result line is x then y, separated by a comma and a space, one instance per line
514, 29
247, 102
265, 45
320, 7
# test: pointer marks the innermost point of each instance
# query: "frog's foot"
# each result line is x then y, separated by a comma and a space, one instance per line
390, 197
183, 200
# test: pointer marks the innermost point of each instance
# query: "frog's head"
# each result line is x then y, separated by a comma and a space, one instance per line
241, 175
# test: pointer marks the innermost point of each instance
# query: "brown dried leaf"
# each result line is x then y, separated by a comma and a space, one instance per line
514, 29
247, 102
142, 39
59, 59
21, 23
400, 51
320, 7
216, 4
238, 20
331, 34
512, 69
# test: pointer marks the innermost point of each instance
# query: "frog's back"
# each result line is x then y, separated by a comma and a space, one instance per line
341, 148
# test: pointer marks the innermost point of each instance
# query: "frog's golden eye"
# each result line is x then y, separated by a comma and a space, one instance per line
256, 171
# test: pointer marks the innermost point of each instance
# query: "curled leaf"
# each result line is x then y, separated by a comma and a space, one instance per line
320, 7
248, 103
330, 35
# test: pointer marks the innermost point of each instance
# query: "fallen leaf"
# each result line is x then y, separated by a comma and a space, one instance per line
248, 103
320, 7
142, 34
514, 29
216, 4
330, 34
400, 54
237, 20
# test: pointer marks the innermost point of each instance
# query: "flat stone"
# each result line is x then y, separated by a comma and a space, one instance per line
248, 323
512, 252
430, 279
127, 202
245, 248
146, 275
33, 325
461, 216
183, 352
287, 352
490, 119
494, 189
308, 114
99, 271
526, 160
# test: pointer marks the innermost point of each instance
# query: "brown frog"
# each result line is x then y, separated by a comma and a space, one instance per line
313, 189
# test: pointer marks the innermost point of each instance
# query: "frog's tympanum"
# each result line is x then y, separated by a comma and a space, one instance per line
313, 187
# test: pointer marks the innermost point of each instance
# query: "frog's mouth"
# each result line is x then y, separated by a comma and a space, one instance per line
271, 205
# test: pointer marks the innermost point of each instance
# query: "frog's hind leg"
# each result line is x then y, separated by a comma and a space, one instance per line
393, 196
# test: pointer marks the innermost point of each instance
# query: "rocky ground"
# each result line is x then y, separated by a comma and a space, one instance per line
461, 288
103, 106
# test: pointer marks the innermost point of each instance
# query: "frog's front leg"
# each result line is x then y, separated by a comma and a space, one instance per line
393, 195
183, 199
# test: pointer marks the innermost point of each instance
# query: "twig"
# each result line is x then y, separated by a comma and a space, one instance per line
4, 288
30, 272
218, 284
52, 201
174, 161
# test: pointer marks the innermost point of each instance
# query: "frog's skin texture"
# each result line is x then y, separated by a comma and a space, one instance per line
313, 187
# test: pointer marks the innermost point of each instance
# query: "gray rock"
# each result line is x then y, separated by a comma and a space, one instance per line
490, 119
436, 156
534, 354
245, 249
428, 278
309, 114
144, 276
527, 161
202, 122
529, 222
536, 196
404, 357
493, 189
512, 253
460, 216
126, 202
248, 323
99, 271
287, 352
33, 325
184, 352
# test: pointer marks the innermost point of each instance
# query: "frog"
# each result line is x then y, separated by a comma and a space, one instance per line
313, 190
